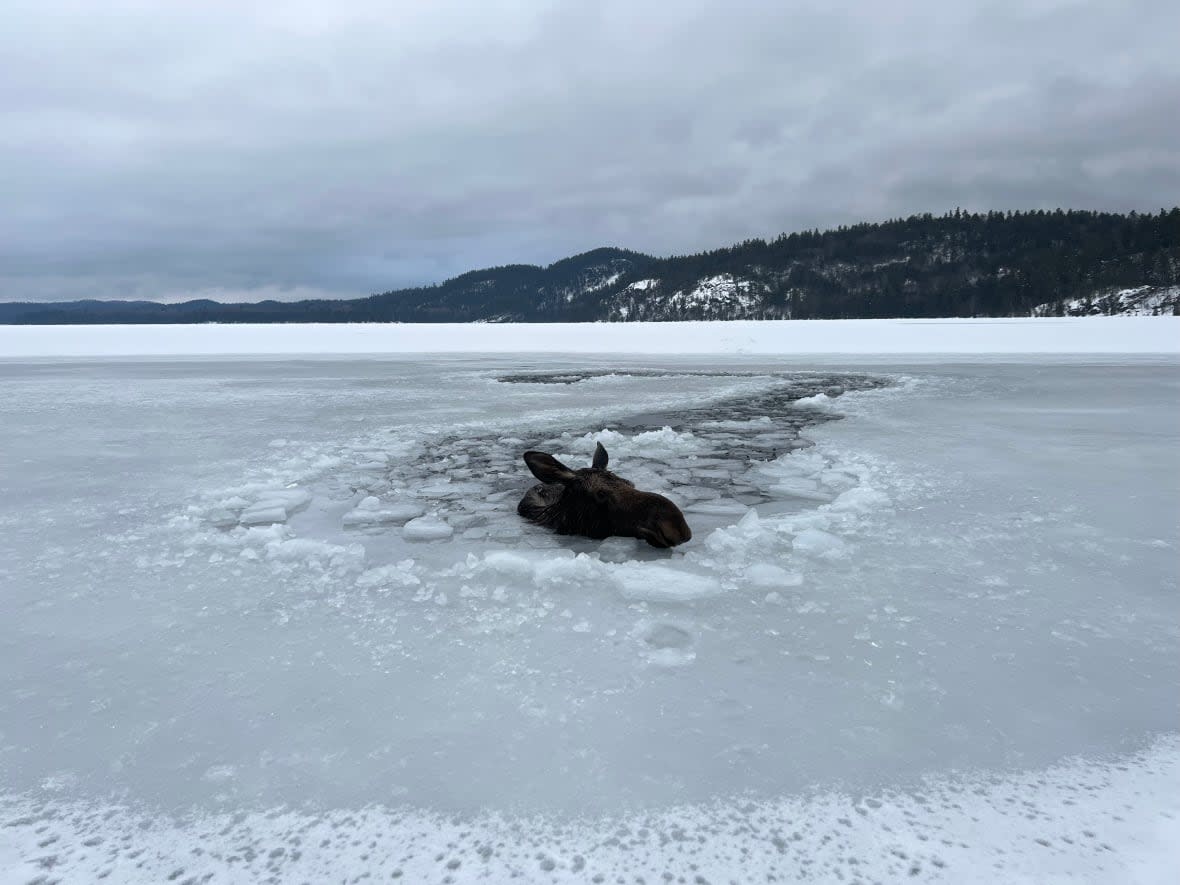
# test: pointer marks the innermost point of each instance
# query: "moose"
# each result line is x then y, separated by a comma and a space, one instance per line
598, 504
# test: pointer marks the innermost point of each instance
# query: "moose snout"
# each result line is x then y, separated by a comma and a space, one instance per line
673, 532
666, 529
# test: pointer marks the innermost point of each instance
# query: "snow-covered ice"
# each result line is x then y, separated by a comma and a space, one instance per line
278, 618
1010, 335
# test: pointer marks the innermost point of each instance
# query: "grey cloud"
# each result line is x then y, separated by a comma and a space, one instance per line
304, 149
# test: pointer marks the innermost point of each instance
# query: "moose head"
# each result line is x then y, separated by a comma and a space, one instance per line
598, 504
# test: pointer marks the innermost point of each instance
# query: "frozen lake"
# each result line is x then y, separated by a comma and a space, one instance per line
278, 617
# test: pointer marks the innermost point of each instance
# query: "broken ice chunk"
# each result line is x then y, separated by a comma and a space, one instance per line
371, 512
275, 505
711, 473
815, 542
717, 508
657, 583
765, 574
427, 528
807, 489
263, 516
697, 493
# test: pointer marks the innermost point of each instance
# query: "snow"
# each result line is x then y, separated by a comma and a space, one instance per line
643, 285
604, 282
1077, 821
722, 289
1136, 301
722, 296
787, 337
925, 630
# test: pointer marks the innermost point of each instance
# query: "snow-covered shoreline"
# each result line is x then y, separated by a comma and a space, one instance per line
1058, 335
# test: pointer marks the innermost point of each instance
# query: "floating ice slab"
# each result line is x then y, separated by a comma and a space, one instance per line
427, 528
800, 488
371, 511
274, 506
815, 542
263, 515
660, 583
718, 508
767, 574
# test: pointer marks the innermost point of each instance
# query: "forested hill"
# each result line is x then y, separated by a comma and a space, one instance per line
958, 264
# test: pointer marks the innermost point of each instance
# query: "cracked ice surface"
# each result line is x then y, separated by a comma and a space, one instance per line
235, 586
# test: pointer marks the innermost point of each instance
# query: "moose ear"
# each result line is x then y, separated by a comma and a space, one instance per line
547, 468
600, 457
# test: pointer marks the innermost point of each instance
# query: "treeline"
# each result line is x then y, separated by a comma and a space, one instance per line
957, 264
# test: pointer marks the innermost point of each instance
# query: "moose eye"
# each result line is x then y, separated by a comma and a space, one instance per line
601, 497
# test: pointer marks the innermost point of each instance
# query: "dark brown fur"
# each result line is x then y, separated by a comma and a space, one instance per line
598, 504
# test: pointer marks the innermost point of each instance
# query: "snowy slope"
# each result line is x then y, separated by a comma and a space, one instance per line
1136, 301
720, 297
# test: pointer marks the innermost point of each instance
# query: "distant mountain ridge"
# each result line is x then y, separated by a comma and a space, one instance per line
1039, 263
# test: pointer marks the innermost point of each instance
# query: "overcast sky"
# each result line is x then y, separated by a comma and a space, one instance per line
236, 150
